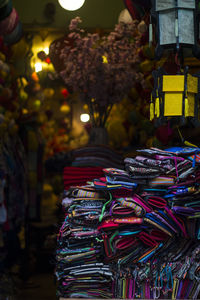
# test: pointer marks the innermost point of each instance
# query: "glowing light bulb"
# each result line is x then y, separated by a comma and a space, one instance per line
84, 118
38, 67
71, 4
46, 50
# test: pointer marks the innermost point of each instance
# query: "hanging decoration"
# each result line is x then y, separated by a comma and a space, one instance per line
176, 25
10, 25
174, 96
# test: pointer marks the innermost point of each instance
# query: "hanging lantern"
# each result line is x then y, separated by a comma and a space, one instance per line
177, 25
174, 96
5, 9
65, 108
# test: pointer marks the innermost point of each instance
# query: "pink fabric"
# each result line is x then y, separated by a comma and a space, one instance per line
157, 201
138, 200
147, 239
125, 243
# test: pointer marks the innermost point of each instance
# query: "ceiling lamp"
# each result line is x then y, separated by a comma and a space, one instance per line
71, 4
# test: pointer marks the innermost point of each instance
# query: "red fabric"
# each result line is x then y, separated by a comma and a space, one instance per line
80, 175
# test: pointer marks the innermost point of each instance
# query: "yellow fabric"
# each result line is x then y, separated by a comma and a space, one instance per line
192, 84
151, 111
173, 83
173, 104
157, 107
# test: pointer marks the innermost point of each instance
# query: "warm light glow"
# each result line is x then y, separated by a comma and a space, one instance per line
38, 67
105, 60
46, 50
84, 118
24, 111
65, 108
71, 4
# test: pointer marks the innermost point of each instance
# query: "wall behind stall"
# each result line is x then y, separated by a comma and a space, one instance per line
94, 13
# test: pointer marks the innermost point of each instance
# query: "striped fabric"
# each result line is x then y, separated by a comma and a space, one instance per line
132, 220
162, 180
137, 209
86, 194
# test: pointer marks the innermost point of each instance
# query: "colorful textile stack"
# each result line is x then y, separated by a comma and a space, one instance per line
97, 156
81, 270
136, 229
79, 176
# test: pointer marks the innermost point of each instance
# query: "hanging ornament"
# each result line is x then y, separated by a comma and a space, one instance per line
48, 93
65, 93
8, 24
42, 55
65, 108
47, 60
35, 77
86, 108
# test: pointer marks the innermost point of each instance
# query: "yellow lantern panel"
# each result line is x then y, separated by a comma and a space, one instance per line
189, 105
192, 84
173, 104
173, 83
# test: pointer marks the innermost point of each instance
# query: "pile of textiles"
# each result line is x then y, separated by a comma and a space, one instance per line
80, 269
96, 156
134, 232
73, 176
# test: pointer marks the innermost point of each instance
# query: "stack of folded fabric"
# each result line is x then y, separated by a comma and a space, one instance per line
139, 225
93, 156
80, 268
73, 176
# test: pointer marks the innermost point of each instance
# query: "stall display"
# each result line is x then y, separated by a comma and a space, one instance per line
133, 232
101, 156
